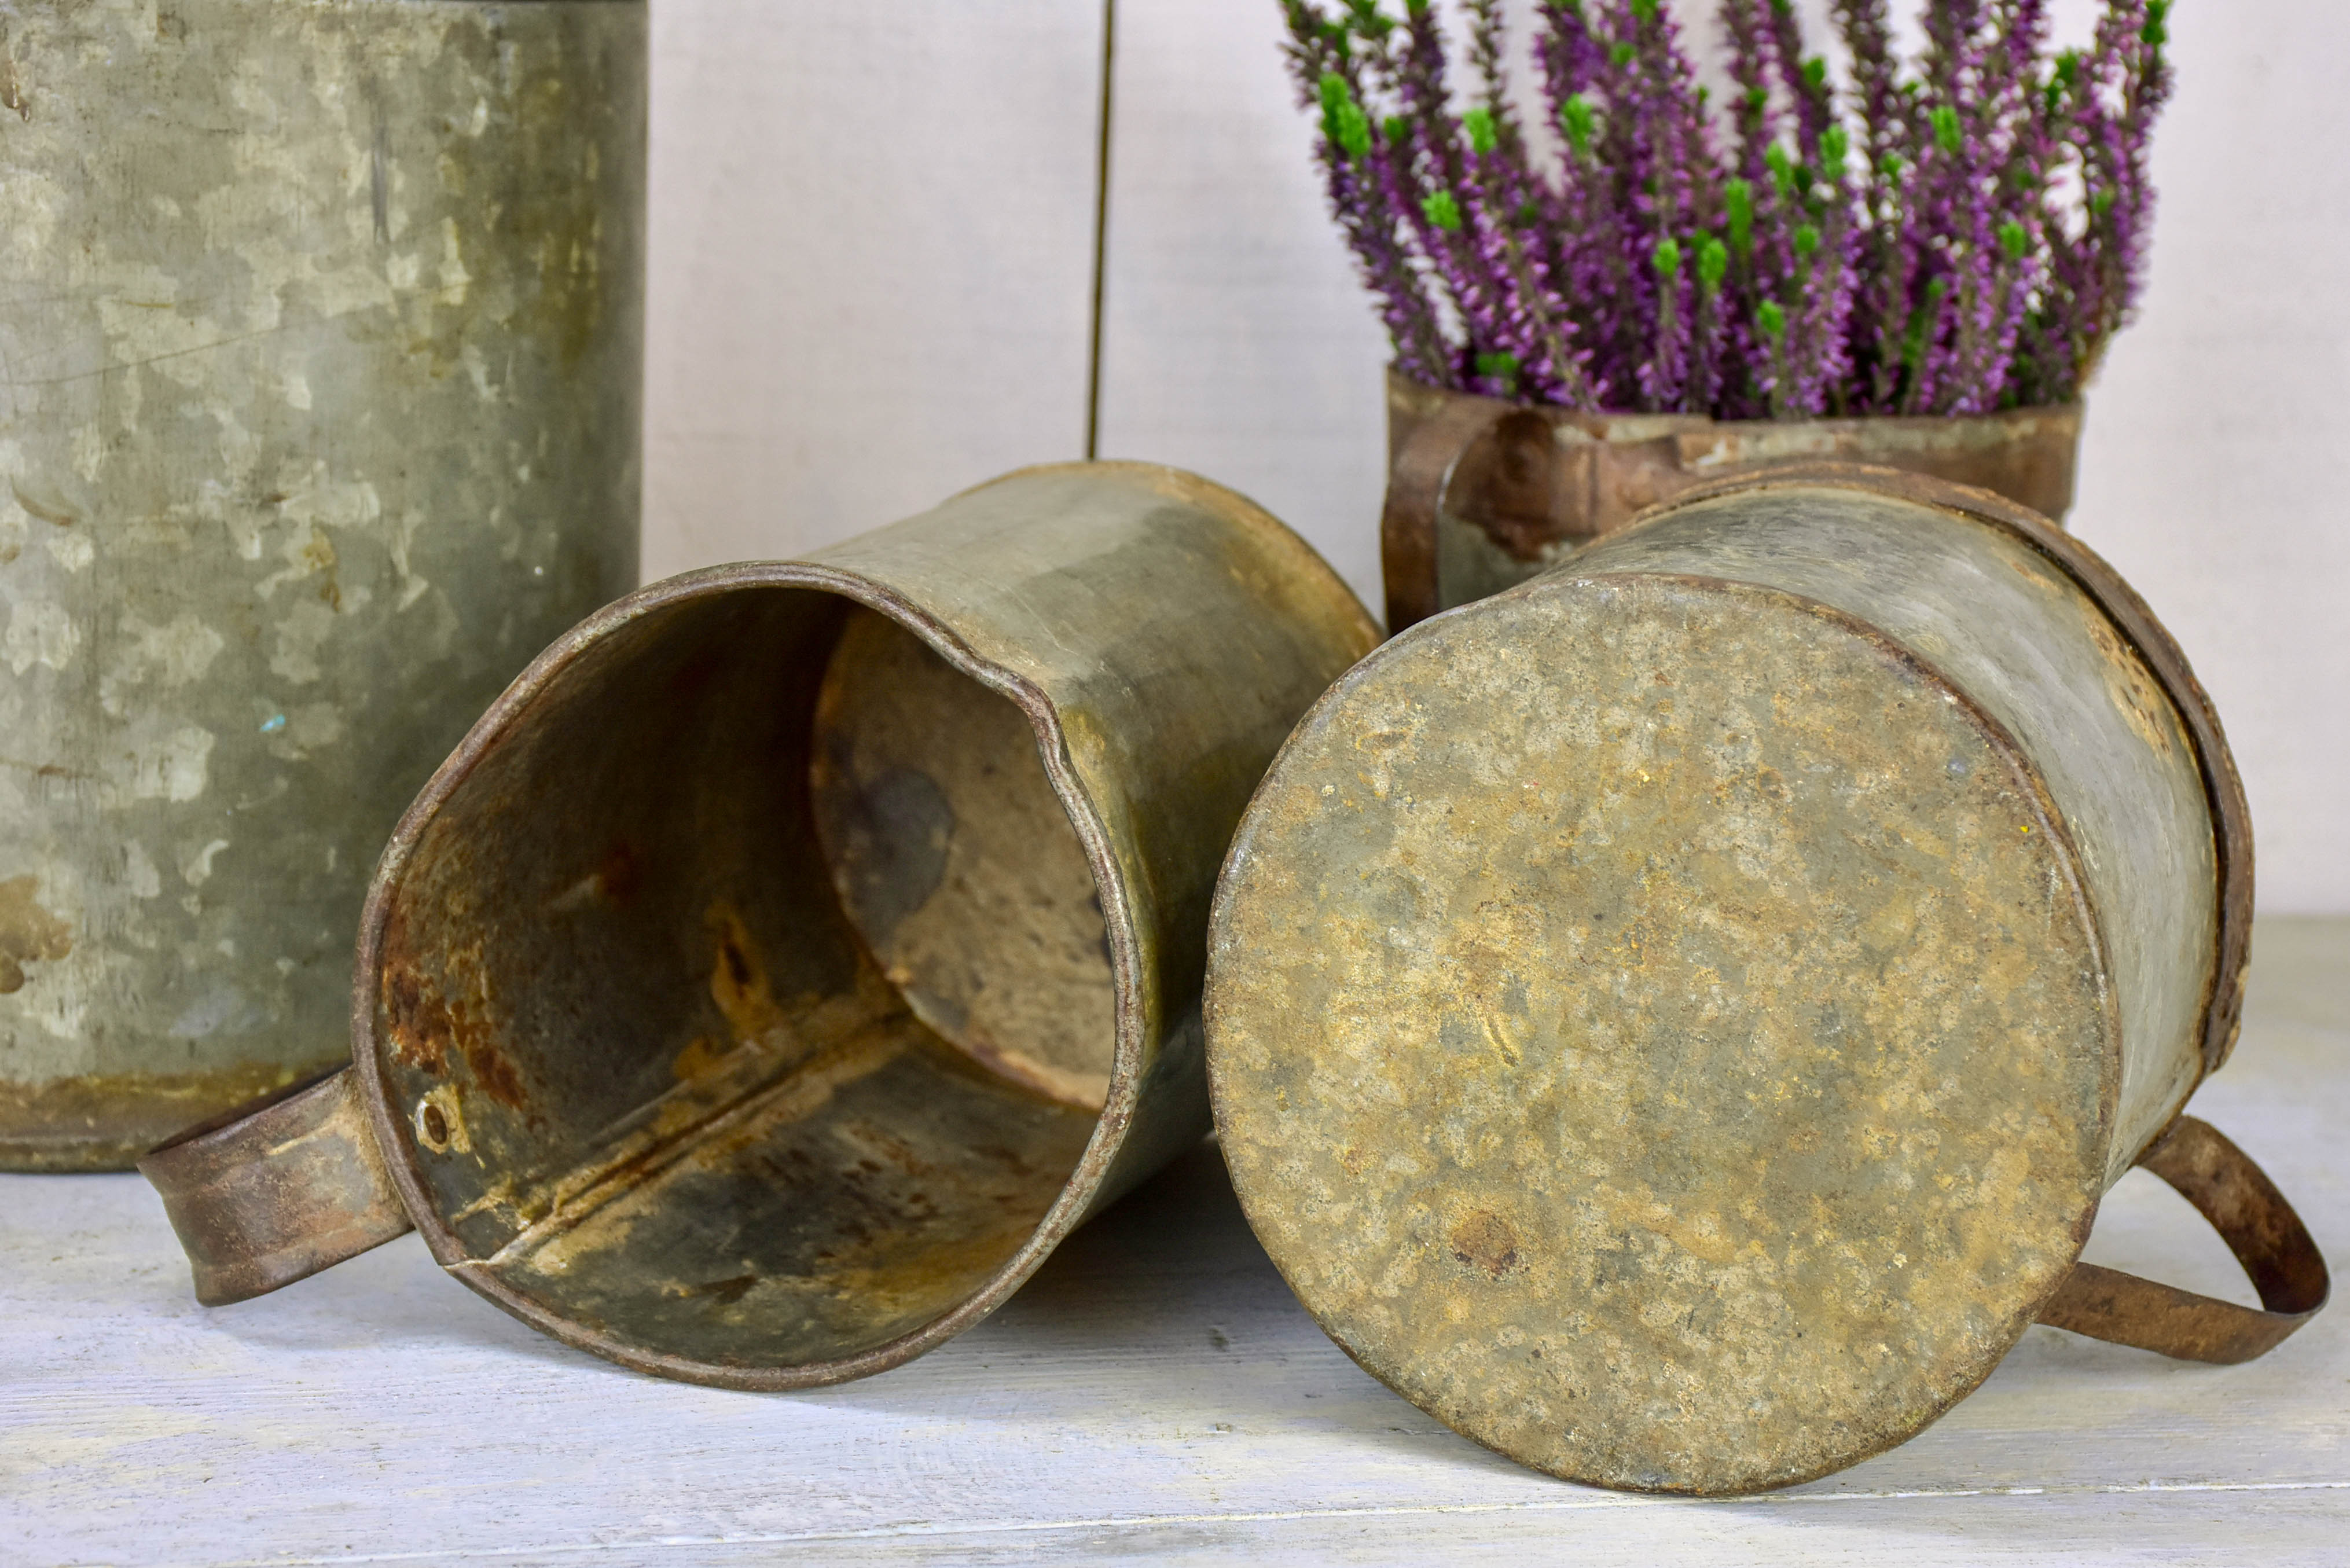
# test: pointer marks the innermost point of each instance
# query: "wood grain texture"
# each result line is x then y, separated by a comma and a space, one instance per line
1153, 1392
870, 262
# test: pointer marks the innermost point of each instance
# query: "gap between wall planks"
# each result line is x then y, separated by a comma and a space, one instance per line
1236, 339
1107, 120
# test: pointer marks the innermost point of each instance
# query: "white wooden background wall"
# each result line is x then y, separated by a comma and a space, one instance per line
872, 235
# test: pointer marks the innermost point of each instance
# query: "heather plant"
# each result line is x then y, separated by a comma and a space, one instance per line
1953, 234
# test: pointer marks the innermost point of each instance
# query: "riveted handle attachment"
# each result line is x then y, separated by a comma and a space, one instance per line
2259, 1226
277, 1189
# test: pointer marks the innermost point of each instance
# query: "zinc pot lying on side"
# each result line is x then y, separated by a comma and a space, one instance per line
320, 342
1674, 1020
1483, 494
799, 951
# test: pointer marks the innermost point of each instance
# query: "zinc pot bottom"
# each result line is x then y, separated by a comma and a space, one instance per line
1667, 1041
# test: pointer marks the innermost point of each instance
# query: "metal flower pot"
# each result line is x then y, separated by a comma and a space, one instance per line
1674, 1020
799, 951
1483, 494
320, 345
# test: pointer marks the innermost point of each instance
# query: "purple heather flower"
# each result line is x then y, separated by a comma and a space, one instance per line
1362, 201
1967, 242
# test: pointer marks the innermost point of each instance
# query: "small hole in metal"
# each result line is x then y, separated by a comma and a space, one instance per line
432, 1123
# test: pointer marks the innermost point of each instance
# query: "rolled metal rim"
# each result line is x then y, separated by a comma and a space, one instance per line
1126, 1070
1434, 433
1604, 422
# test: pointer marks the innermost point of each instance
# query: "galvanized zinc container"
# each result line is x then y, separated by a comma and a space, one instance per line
1675, 1020
320, 345
799, 951
1483, 493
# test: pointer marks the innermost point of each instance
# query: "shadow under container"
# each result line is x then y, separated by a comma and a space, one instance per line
799, 951
1484, 494
1674, 1020
321, 337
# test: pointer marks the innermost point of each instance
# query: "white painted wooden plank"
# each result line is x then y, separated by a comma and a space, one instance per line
1238, 342
1155, 1390
2215, 470
1235, 339
872, 262
2303, 1529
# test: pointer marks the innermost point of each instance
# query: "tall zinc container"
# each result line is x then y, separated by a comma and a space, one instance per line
320, 341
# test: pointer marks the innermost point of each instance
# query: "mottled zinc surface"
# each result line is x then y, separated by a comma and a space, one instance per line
319, 359
1656, 1029
2014, 633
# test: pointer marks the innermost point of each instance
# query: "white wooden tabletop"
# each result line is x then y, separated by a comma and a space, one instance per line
1154, 1393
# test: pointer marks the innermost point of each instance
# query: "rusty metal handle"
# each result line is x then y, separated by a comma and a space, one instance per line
1417, 482
276, 1189
2259, 1226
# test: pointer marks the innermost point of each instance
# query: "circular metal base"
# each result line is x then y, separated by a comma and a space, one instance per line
1658, 1027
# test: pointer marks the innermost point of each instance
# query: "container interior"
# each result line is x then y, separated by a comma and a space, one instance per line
749, 1002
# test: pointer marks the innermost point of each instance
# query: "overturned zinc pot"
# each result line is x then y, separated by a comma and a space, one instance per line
799, 949
320, 342
1675, 1020
1483, 493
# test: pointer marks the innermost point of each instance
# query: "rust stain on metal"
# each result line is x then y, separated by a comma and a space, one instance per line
110, 1119
2259, 1226
1487, 1243
2130, 686
738, 980
431, 1015
691, 1133
319, 1192
611, 884
418, 1025
28, 933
